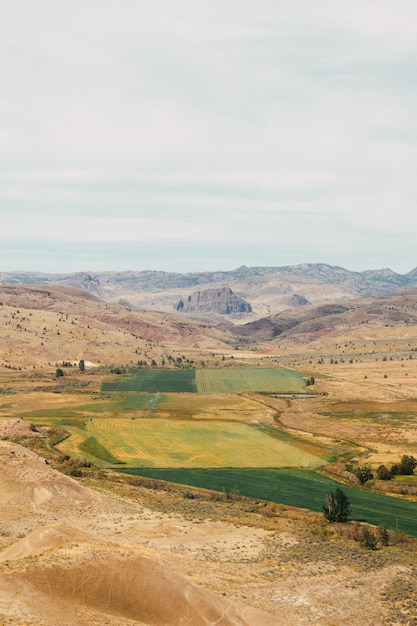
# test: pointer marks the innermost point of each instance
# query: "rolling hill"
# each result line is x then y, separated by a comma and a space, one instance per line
268, 290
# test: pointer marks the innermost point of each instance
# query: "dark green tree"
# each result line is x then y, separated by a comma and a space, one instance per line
337, 506
363, 474
407, 465
59, 372
81, 365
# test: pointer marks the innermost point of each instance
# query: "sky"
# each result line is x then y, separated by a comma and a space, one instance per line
207, 134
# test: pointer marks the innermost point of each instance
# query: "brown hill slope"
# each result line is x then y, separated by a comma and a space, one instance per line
59, 573
268, 290
54, 324
350, 318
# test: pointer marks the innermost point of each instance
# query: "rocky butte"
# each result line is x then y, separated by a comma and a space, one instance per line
222, 301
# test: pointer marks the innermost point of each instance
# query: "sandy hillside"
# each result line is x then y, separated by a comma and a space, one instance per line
75, 570
70, 554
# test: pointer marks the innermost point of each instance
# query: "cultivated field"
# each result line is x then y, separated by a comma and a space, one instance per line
181, 443
209, 381
295, 487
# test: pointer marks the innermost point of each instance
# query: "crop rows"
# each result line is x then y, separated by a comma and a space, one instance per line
209, 381
295, 487
237, 380
183, 443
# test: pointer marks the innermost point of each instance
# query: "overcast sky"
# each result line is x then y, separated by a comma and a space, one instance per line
207, 134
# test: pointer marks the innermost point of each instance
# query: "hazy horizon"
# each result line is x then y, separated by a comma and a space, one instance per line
196, 136
118, 259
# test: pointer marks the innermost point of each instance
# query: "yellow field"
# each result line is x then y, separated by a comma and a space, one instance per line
183, 443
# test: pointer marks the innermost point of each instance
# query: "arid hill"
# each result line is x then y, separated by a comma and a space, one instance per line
268, 290
72, 567
40, 325
349, 316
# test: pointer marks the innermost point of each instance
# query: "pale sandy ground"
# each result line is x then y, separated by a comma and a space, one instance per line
70, 555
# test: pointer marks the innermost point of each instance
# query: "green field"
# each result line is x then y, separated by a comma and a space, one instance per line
295, 487
149, 442
208, 381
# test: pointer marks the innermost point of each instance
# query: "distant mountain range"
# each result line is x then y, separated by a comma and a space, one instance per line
264, 290
44, 324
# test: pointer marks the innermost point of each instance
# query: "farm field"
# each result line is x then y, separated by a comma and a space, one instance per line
295, 487
174, 443
209, 381
184, 406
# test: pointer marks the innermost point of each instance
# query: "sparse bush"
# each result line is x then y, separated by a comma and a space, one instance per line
74, 467
383, 536
355, 531
367, 539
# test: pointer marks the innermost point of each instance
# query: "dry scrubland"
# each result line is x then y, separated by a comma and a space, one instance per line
98, 549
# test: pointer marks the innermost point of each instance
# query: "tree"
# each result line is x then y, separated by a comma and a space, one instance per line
407, 465
59, 372
81, 365
383, 473
337, 506
363, 474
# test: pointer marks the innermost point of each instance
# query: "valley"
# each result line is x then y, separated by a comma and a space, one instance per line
227, 436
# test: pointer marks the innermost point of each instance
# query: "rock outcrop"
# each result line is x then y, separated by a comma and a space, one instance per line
222, 301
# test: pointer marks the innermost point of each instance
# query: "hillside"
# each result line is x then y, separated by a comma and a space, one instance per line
74, 556
41, 325
268, 290
47, 325
351, 317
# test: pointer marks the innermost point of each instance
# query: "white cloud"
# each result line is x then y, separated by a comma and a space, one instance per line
279, 120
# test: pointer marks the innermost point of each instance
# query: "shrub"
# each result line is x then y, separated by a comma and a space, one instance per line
363, 474
383, 536
367, 539
407, 465
383, 473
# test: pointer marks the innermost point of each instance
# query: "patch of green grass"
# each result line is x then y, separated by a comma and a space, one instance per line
94, 448
237, 380
209, 381
296, 487
57, 414
76, 422
119, 403
154, 381
318, 449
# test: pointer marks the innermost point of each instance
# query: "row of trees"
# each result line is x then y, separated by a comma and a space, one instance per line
59, 372
405, 467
